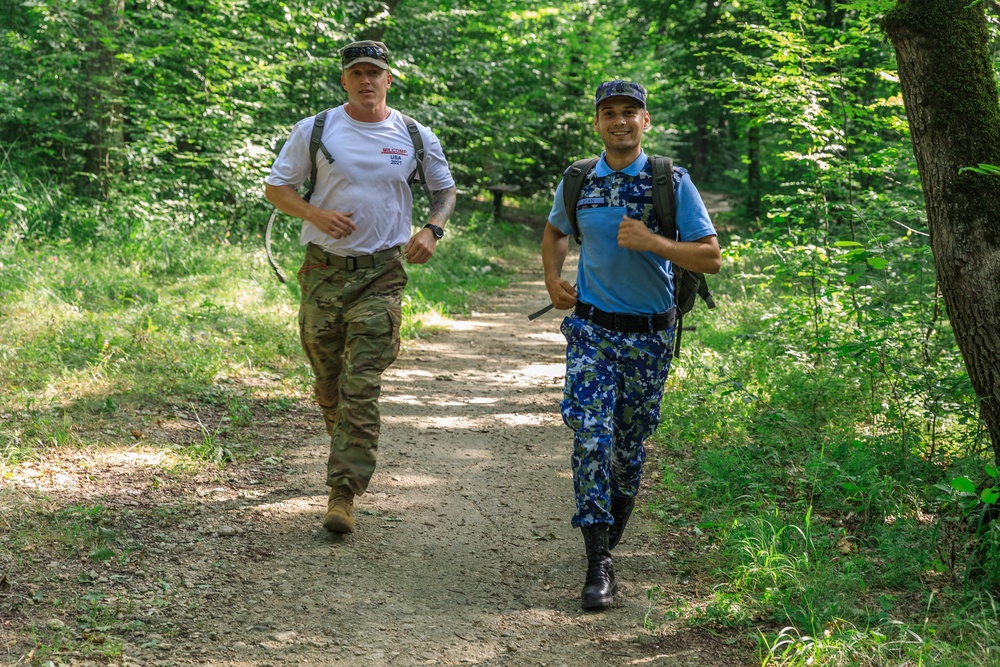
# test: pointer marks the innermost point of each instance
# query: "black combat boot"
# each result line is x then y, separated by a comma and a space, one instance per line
600, 585
621, 510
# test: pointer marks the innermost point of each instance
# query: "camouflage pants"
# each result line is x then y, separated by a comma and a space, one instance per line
611, 400
349, 328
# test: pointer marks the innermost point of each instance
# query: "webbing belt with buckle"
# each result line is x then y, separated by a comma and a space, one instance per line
354, 263
627, 323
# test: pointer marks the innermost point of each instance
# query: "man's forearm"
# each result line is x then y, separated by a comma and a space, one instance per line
555, 247
703, 255
287, 200
442, 206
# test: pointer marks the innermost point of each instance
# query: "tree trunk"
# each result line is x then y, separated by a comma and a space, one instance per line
100, 101
376, 22
699, 162
946, 75
753, 173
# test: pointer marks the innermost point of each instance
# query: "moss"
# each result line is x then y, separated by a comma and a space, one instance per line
960, 86
961, 80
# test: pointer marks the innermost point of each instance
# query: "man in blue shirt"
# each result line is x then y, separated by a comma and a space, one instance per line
620, 335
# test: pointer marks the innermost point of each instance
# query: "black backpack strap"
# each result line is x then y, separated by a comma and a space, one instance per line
315, 145
663, 194
662, 169
705, 294
572, 185
418, 152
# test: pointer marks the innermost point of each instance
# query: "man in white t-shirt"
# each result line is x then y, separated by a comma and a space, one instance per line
357, 229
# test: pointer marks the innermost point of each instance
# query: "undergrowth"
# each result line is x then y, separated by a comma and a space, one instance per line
821, 449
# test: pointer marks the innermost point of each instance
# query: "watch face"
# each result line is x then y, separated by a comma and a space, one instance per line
436, 231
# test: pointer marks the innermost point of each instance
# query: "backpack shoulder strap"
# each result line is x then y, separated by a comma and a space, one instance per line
663, 204
663, 194
572, 185
316, 144
418, 152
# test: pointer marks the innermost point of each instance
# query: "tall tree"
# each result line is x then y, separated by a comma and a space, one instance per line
949, 90
101, 107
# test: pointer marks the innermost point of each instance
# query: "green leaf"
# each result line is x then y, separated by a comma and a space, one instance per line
86, 577
877, 263
990, 496
991, 470
102, 554
963, 485
848, 244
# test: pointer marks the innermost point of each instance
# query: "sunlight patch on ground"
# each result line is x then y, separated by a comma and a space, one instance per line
520, 419
540, 371
410, 480
132, 458
548, 337
75, 467
408, 374
467, 325
298, 505
406, 399
444, 423
43, 477
482, 423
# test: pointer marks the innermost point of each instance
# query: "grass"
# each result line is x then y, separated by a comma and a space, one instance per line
94, 333
805, 457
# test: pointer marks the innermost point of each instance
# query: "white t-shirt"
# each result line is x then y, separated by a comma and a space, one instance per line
368, 176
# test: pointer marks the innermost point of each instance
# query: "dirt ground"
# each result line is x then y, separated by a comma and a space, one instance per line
463, 552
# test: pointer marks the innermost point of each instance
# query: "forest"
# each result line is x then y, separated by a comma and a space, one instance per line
830, 445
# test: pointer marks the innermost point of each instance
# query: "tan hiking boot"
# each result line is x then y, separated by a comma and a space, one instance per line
340, 510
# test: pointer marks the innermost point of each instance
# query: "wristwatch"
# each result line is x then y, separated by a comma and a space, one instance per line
435, 230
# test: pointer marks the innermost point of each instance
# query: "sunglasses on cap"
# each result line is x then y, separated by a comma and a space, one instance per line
354, 52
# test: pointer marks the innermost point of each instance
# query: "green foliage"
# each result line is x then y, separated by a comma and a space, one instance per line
144, 124
812, 432
131, 333
525, 76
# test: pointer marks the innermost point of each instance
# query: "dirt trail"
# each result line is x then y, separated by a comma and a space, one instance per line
463, 553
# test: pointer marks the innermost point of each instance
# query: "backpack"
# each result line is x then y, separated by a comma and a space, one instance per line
316, 145
688, 285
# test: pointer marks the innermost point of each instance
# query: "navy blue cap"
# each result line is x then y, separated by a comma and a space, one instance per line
619, 88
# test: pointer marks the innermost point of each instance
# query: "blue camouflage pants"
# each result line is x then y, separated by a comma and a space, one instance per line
611, 400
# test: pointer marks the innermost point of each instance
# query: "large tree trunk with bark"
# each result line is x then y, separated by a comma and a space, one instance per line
951, 103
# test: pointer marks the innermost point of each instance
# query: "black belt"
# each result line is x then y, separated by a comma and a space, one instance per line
354, 263
627, 323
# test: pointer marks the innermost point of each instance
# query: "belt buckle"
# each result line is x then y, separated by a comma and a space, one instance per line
617, 322
352, 263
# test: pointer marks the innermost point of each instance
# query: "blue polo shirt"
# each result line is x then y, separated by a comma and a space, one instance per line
615, 279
